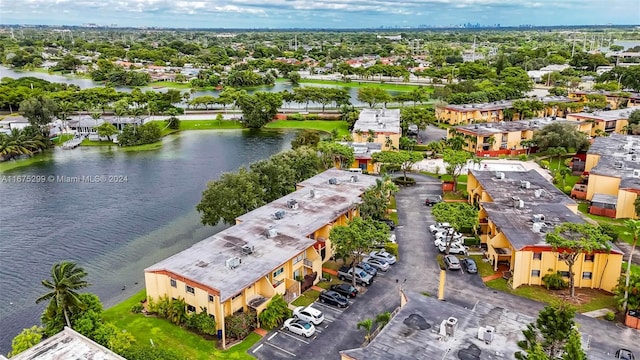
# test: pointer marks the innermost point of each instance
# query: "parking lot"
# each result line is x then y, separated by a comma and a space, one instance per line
417, 270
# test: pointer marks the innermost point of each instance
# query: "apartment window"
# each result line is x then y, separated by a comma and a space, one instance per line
535, 273
174, 283
298, 258
278, 272
537, 256
236, 296
190, 289
564, 274
191, 308
587, 275
589, 257
212, 298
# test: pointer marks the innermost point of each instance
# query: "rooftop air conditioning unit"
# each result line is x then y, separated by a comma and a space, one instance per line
271, 232
538, 227
279, 215
247, 249
312, 193
525, 184
636, 173
500, 175
292, 204
618, 164
233, 262
517, 203
354, 178
333, 181
537, 193
450, 326
538, 218
476, 126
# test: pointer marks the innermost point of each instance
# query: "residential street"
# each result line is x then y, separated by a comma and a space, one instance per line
417, 270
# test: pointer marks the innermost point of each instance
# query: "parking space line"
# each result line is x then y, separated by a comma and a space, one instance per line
256, 349
272, 336
339, 311
327, 320
281, 349
293, 337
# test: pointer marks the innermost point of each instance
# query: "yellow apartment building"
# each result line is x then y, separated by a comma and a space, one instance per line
614, 99
494, 111
505, 137
517, 210
380, 126
612, 121
363, 155
613, 163
266, 253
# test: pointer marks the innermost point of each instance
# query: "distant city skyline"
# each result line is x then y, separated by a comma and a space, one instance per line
341, 14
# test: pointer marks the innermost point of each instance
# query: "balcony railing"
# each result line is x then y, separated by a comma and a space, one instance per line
308, 263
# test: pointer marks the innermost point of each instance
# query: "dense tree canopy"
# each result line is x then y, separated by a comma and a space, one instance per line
561, 135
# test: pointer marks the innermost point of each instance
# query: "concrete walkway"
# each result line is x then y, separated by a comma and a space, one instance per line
598, 313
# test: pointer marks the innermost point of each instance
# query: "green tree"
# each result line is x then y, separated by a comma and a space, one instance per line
358, 236
557, 151
367, 325
633, 228
573, 348
202, 322
462, 216
516, 78
306, 138
173, 122
25, 340
258, 109
630, 293
634, 117
383, 319
276, 312
571, 240
39, 110
294, 77
551, 331
232, 195
67, 279
455, 162
275, 178
107, 130
334, 153
560, 135
404, 159
373, 96
376, 199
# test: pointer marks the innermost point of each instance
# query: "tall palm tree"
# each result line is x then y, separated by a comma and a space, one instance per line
634, 228
367, 324
383, 319
67, 279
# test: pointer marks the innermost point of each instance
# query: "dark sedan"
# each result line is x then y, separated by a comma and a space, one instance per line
345, 290
333, 298
469, 265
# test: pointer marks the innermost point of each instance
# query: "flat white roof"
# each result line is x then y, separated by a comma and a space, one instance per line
378, 120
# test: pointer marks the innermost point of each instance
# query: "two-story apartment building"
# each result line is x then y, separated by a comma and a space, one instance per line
613, 163
266, 253
505, 137
517, 210
380, 126
363, 155
494, 111
605, 121
615, 100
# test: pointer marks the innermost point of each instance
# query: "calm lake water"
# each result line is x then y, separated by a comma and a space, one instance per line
113, 230
87, 83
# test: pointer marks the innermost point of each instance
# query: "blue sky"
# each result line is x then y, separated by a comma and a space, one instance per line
318, 13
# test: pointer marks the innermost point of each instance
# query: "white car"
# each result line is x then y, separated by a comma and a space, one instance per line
384, 256
300, 327
445, 235
434, 228
454, 249
309, 314
381, 265
443, 242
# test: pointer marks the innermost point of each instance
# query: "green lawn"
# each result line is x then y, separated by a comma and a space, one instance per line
484, 268
635, 269
358, 84
598, 300
617, 224
16, 164
87, 142
164, 333
59, 140
210, 124
173, 85
321, 125
307, 298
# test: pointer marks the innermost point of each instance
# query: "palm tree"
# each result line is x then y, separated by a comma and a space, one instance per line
67, 279
367, 324
634, 229
383, 319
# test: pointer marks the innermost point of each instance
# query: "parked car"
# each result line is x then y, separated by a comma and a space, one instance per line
392, 239
452, 262
448, 234
381, 265
345, 289
625, 354
412, 130
333, 298
390, 223
432, 200
434, 228
455, 248
309, 314
300, 327
368, 268
469, 265
383, 255
443, 242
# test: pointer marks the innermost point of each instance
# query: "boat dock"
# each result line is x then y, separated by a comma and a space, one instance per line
72, 144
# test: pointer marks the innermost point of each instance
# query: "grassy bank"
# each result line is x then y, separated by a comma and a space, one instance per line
210, 125
359, 84
321, 125
163, 333
16, 164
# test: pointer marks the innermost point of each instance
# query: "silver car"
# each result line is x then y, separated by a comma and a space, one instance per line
452, 262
